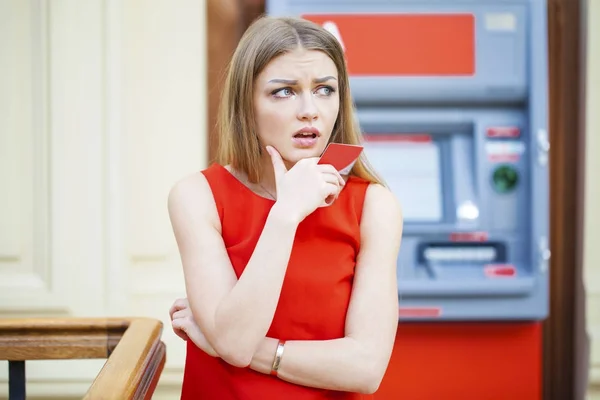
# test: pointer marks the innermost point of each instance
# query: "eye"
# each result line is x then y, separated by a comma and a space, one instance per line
283, 92
325, 91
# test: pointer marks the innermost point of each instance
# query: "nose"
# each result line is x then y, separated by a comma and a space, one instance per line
307, 109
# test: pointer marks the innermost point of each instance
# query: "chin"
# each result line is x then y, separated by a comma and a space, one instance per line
295, 155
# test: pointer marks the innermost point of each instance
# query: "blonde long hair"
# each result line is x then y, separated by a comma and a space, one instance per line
265, 39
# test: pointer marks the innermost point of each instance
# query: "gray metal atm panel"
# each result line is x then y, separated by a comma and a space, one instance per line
500, 47
461, 290
457, 111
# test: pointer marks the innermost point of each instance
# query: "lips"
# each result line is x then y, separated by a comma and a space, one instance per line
307, 132
306, 137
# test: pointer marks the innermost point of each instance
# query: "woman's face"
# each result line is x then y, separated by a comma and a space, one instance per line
296, 104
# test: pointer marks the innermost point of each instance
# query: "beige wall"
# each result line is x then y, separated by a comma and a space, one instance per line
592, 194
102, 108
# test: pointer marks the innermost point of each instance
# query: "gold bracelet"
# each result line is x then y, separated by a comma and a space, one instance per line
277, 359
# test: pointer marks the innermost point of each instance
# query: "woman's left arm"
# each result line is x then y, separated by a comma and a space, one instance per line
356, 362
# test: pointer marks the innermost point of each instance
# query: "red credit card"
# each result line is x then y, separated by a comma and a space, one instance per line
341, 156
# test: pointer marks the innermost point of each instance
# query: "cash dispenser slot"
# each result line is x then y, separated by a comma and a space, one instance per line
466, 269
451, 254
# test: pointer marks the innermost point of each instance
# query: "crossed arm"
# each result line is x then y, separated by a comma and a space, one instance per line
221, 303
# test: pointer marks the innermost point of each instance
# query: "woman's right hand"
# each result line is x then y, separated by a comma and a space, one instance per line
306, 186
184, 326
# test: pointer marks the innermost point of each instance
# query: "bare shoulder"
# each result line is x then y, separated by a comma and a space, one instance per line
379, 200
191, 198
381, 210
189, 190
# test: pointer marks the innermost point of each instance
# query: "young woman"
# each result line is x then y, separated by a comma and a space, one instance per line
290, 268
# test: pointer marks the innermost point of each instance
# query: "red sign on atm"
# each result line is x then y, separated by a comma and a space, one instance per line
503, 132
404, 44
500, 271
469, 236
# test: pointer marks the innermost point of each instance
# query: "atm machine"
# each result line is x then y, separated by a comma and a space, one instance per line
452, 98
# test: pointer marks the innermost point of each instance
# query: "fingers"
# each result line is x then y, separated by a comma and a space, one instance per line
179, 312
186, 312
331, 190
179, 304
333, 179
179, 324
278, 165
330, 169
179, 328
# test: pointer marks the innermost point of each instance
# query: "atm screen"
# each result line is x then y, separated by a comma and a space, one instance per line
411, 169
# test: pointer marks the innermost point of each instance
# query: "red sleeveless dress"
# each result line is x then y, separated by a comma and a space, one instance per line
315, 293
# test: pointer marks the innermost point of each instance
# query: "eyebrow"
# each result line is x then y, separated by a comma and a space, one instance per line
295, 82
